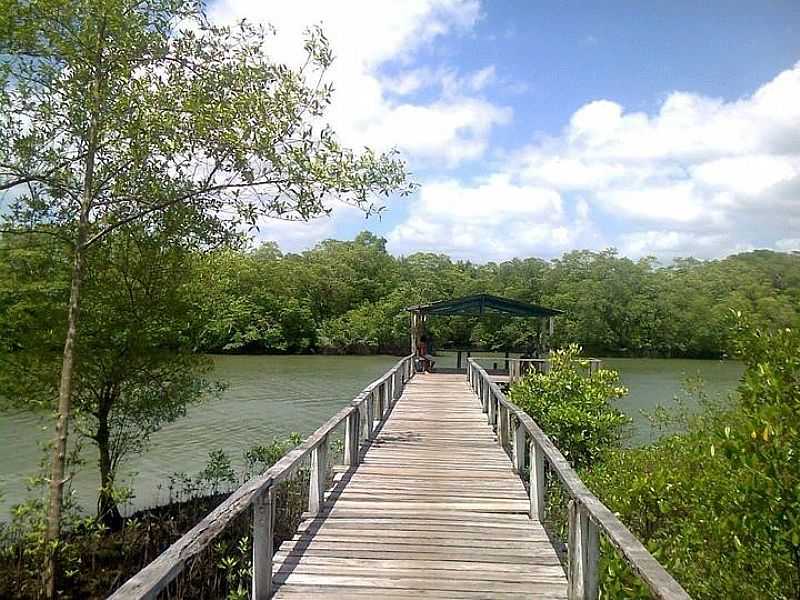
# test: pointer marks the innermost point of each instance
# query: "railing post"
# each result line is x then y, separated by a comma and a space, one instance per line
263, 513
351, 437
492, 406
583, 553
319, 471
537, 483
506, 427
519, 448
370, 413
381, 395
502, 421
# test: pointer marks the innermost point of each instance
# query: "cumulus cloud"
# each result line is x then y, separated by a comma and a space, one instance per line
700, 162
492, 219
700, 176
369, 108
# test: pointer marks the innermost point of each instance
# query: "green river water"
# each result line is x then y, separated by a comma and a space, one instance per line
272, 396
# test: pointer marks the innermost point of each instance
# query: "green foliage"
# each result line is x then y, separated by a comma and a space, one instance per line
137, 370
349, 296
218, 472
114, 110
96, 560
719, 505
23, 544
574, 408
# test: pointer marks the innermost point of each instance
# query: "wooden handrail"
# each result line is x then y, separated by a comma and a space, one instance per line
258, 492
587, 512
514, 365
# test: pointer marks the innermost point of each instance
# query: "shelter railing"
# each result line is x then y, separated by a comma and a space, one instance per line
588, 517
372, 406
517, 367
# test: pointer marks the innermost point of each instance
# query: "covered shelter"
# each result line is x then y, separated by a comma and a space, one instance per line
475, 305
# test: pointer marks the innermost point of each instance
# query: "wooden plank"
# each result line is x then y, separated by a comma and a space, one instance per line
418, 584
343, 593
434, 507
465, 569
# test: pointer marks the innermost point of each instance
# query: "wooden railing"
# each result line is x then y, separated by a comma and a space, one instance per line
588, 517
517, 367
371, 406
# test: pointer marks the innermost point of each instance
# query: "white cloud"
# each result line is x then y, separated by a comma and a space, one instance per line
492, 219
481, 78
700, 177
671, 244
365, 36
788, 244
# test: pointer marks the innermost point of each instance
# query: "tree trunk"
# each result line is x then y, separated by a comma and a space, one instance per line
58, 462
107, 510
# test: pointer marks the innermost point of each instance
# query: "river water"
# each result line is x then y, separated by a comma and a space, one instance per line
272, 396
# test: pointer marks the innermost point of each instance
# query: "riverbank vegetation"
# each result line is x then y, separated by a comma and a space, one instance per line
349, 296
96, 560
717, 504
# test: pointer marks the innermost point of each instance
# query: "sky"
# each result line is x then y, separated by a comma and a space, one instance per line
664, 128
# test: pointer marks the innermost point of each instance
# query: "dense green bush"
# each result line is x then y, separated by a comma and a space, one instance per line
573, 407
719, 505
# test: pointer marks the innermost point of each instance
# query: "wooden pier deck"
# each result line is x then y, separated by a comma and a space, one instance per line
428, 505
433, 510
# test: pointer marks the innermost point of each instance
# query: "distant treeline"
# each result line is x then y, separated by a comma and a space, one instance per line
349, 296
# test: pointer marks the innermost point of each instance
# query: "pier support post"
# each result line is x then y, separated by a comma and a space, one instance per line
583, 553
263, 514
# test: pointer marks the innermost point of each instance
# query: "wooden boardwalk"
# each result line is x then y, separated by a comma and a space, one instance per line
433, 510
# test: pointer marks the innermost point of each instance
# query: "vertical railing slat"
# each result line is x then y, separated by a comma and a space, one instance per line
370, 401
583, 553
352, 433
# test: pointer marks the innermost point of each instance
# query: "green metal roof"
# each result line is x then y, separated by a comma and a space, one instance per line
484, 304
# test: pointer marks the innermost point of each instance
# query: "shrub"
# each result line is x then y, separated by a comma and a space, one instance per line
719, 505
572, 407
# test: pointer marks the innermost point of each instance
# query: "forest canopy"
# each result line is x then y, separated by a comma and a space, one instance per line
349, 297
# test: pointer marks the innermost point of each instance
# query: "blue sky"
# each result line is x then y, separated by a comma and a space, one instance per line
660, 128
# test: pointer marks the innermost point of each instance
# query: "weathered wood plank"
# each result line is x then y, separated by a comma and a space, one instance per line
434, 506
